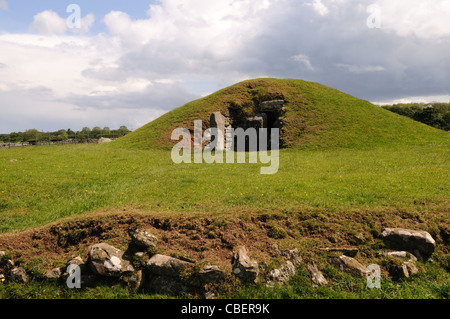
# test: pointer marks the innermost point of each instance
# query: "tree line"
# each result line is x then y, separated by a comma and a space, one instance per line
433, 114
34, 135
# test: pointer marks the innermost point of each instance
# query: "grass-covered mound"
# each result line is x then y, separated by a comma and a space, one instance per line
316, 117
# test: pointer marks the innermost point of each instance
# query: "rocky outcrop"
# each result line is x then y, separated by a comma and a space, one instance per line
144, 239
420, 243
317, 277
211, 274
166, 266
282, 274
106, 260
244, 267
350, 265
19, 274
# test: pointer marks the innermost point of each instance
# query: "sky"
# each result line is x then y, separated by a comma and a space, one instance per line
111, 63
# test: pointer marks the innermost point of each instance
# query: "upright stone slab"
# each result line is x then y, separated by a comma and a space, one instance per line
217, 120
244, 267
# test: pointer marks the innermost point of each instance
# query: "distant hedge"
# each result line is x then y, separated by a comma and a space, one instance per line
433, 114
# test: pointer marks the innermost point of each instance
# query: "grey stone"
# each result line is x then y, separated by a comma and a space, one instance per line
2, 253
136, 280
217, 120
292, 255
317, 277
53, 274
257, 121
419, 243
210, 295
409, 269
19, 274
283, 273
166, 265
144, 239
400, 255
243, 267
106, 260
211, 274
270, 106
350, 265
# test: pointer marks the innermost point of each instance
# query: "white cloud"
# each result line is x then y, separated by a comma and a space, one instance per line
319, 7
49, 22
303, 59
3, 5
422, 18
360, 68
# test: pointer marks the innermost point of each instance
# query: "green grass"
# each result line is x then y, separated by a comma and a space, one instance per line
49, 183
434, 284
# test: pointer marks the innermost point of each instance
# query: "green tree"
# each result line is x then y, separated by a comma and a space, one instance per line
32, 135
85, 132
96, 132
123, 130
106, 131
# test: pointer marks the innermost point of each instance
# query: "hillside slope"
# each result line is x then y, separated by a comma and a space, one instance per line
315, 116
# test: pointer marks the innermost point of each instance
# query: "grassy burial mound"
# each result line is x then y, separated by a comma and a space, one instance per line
314, 116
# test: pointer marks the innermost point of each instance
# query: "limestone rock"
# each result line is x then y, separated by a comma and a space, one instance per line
106, 260
136, 280
420, 243
257, 121
293, 255
211, 274
144, 239
243, 267
317, 277
55, 273
217, 120
400, 255
19, 274
409, 269
283, 273
350, 265
166, 266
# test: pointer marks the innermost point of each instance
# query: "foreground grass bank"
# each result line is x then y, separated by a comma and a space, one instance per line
40, 185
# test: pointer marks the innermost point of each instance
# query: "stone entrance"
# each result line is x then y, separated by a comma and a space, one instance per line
268, 117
